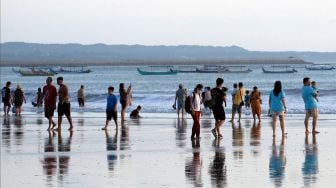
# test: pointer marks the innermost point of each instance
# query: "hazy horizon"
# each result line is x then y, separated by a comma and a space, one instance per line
261, 25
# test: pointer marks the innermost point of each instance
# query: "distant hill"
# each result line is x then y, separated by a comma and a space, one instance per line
20, 53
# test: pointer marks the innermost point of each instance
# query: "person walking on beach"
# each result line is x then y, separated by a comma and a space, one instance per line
18, 99
218, 97
6, 98
309, 97
80, 96
180, 97
39, 98
277, 106
238, 102
124, 99
63, 107
196, 102
49, 94
256, 103
111, 108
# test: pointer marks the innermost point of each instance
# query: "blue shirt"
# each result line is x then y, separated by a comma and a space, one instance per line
111, 102
308, 94
276, 103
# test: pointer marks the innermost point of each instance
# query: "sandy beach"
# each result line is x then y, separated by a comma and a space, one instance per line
156, 151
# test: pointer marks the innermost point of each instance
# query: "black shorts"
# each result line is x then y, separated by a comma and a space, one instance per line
63, 109
7, 103
81, 101
111, 114
219, 113
49, 111
123, 104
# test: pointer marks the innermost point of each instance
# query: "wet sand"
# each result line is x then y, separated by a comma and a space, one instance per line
156, 151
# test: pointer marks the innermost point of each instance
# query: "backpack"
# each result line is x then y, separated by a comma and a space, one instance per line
188, 103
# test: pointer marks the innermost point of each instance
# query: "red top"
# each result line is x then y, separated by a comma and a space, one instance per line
49, 94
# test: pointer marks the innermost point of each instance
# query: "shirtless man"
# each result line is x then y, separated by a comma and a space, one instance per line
63, 104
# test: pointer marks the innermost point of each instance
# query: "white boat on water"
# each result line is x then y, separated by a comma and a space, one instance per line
319, 67
279, 69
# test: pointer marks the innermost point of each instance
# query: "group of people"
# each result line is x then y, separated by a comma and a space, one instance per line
216, 99
48, 96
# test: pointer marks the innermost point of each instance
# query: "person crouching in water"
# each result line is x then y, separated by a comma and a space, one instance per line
135, 114
196, 110
111, 108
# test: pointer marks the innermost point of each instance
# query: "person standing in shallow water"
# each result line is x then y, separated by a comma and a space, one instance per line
309, 96
111, 108
124, 99
256, 103
218, 97
238, 102
63, 104
80, 96
49, 94
18, 100
196, 101
180, 97
6, 98
277, 106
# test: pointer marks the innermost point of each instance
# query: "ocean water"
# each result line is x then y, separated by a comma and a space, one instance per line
157, 93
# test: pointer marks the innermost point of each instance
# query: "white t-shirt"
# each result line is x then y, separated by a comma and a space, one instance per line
197, 102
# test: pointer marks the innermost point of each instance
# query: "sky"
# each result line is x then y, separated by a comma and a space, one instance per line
261, 25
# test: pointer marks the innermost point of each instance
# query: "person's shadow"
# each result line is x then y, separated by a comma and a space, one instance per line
237, 141
111, 149
217, 168
193, 165
255, 138
277, 163
64, 147
310, 165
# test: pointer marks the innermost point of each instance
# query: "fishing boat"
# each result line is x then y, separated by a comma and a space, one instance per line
157, 70
16, 70
71, 69
211, 69
184, 69
279, 69
223, 69
319, 67
237, 69
36, 72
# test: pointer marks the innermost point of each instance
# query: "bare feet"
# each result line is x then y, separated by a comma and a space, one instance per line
284, 134
70, 129
316, 132
231, 121
104, 128
307, 131
57, 129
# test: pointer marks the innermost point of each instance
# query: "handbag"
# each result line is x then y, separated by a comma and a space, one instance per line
242, 102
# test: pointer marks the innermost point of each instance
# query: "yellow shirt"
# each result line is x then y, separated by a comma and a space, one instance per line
239, 96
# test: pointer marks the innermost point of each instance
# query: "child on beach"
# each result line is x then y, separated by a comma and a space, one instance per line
247, 99
313, 85
111, 108
135, 114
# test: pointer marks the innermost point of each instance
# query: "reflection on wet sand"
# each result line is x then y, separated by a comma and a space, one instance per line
217, 168
18, 131
277, 163
125, 138
255, 138
56, 159
237, 141
310, 165
193, 165
181, 133
111, 148
6, 132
